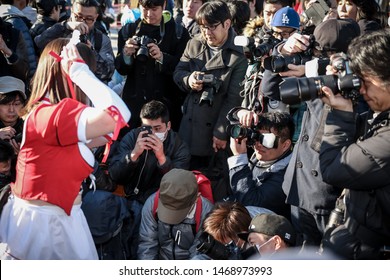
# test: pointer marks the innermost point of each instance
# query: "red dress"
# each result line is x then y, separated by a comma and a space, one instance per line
50, 166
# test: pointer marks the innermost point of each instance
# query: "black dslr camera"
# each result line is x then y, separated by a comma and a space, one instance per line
294, 90
84, 38
209, 88
237, 131
218, 251
267, 44
278, 63
143, 51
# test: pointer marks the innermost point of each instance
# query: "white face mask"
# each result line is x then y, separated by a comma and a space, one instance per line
258, 247
161, 135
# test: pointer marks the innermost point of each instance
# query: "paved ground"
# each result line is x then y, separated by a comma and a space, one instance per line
114, 37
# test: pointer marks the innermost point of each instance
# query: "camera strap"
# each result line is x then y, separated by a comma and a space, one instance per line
382, 120
162, 29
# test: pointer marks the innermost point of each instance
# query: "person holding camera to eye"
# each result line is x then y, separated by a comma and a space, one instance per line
311, 199
148, 52
258, 181
143, 156
220, 240
83, 18
361, 165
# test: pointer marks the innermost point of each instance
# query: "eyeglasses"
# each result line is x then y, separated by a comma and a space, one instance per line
85, 19
283, 34
211, 27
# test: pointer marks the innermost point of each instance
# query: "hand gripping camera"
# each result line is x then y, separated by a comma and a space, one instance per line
294, 90
218, 251
143, 51
237, 131
279, 63
209, 88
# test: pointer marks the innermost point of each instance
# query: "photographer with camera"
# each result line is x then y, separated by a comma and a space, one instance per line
258, 181
148, 52
219, 240
361, 165
83, 18
12, 99
213, 53
143, 156
258, 42
311, 198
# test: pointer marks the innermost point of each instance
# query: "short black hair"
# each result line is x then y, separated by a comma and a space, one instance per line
45, 7
369, 55
154, 110
87, 3
213, 12
281, 122
10, 97
151, 3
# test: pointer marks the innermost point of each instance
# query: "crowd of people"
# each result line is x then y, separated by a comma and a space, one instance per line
221, 129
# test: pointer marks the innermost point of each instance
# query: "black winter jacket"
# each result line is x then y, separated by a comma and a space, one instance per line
145, 174
363, 167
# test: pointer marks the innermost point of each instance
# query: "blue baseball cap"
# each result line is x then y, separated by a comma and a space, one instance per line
286, 17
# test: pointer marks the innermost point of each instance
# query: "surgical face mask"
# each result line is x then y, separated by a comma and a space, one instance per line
258, 247
161, 135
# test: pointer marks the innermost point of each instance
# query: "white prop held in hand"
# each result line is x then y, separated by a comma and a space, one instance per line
75, 38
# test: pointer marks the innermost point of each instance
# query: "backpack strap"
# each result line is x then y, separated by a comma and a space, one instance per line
198, 210
155, 203
98, 40
198, 213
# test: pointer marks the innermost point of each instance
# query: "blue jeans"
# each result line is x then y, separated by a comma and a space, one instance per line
135, 208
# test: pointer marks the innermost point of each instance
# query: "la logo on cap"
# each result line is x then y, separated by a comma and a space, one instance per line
287, 236
285, 19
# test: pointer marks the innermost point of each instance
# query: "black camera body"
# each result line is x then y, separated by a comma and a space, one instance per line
294, 90
278, 63
18, 137
84, 38
147, 128
143, 51
239, 132
218, 251
268, 42
209, 88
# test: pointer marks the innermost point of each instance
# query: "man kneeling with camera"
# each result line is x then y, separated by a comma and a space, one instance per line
258, 181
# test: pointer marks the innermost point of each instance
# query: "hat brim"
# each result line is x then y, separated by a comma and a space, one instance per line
169, 216
8, 90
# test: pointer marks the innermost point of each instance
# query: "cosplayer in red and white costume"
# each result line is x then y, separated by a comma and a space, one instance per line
43, 218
